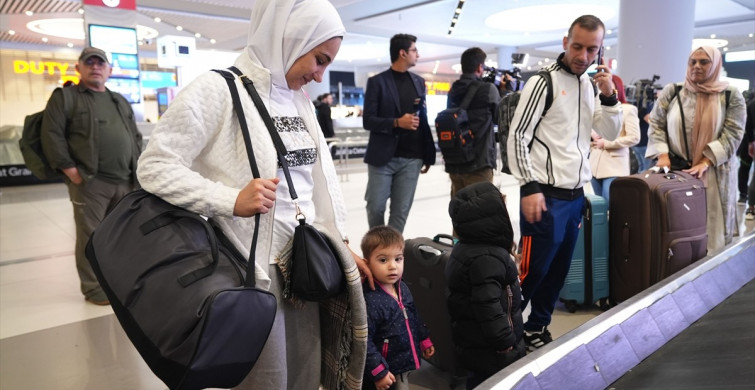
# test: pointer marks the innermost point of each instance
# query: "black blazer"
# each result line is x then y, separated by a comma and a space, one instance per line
381, 107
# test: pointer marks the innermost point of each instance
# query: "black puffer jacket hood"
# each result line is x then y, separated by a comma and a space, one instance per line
479, 216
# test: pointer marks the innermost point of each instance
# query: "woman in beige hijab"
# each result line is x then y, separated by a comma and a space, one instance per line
706, 134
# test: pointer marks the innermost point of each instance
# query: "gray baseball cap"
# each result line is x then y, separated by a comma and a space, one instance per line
93, 51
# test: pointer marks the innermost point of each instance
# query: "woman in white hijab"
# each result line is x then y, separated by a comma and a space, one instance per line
196, 159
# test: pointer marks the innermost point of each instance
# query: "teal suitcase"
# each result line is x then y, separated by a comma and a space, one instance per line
587, 280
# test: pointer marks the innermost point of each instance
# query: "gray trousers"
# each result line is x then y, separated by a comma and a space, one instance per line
290, 358
91, 201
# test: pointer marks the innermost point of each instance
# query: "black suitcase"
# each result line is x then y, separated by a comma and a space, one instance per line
424, 272
657, 226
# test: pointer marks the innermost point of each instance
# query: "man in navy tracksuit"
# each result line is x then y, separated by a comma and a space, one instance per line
549, 159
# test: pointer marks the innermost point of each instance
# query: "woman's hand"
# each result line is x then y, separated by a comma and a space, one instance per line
429, 352
364, 270
699, 169
256, 197
663, 161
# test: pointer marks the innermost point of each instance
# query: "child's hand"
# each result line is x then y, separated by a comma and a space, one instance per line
429, 352
385, 382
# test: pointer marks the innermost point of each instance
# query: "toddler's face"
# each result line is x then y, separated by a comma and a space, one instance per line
387, 264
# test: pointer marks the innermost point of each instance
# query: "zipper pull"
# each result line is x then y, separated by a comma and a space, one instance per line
406, 316
670, 254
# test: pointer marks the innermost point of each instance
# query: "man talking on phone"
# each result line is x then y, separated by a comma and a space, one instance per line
548, 157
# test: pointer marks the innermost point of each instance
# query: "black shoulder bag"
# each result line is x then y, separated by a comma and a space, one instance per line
316, 273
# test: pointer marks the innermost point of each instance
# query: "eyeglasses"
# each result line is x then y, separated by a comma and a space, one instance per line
92, 61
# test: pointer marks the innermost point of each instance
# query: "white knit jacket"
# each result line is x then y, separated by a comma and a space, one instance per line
196, 159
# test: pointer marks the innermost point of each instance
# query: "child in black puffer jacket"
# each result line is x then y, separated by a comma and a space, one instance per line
483, 282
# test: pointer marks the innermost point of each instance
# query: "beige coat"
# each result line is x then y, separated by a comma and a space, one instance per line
613, 159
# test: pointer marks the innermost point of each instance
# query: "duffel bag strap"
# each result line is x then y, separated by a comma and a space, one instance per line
229, 78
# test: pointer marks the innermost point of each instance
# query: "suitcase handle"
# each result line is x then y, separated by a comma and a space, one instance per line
451, 240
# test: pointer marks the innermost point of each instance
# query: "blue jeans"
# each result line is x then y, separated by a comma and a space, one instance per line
601, 187
547, 248
645, 163
396, 180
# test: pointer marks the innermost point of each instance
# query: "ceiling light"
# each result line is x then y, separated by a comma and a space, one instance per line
458, 11
750, 35
609, 32
712, 36
198, 35
44, 39
551, 17
717, 43
738, 56
11, 32
726, 49
456, 68
179, 28
212, 41
157, 20
69, 44
29, 13
73, 28
81, 11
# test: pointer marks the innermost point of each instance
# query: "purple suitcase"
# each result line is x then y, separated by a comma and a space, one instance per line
656, 228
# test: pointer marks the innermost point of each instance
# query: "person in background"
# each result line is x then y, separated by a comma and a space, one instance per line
610, 159
484, 295
323, 115
712, 129
397, 337
482, 114
196, 159
97, 151
400, 146
749, 139
552, 167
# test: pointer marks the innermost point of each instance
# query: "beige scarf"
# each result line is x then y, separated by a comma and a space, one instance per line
708, 106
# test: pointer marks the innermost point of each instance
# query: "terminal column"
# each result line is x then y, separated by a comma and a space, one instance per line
655, 37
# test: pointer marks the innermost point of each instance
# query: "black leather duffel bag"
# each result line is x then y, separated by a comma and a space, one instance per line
181, 293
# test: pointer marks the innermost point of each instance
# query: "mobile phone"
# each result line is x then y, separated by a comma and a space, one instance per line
598, 58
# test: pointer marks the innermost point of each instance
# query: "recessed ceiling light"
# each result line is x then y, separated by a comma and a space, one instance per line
212, 41
179, 28
81, 11
157, 20
198, 35
29, 13
44, 39
69, 44
11, 32
549, 17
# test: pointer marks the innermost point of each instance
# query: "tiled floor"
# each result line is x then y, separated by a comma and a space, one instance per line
51, 339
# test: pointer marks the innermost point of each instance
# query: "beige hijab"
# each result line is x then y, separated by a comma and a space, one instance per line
708, 107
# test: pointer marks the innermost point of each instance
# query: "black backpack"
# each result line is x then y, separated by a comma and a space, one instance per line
455, 137
506, 109
31, 138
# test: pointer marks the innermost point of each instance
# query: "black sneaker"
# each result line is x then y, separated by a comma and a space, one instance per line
742, 199
535, 340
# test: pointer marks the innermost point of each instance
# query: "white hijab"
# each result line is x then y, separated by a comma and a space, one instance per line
282, 31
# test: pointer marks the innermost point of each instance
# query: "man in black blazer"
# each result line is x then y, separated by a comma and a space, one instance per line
401, 144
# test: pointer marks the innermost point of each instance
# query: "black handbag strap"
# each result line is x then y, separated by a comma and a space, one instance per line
229, 78
677, 89
280, 148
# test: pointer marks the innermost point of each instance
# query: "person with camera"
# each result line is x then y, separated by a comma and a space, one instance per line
548, 157
481, 112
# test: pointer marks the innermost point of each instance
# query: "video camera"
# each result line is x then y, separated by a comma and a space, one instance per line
495, 76
644, 92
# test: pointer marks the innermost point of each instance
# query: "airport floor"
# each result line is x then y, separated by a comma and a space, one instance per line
50, 338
